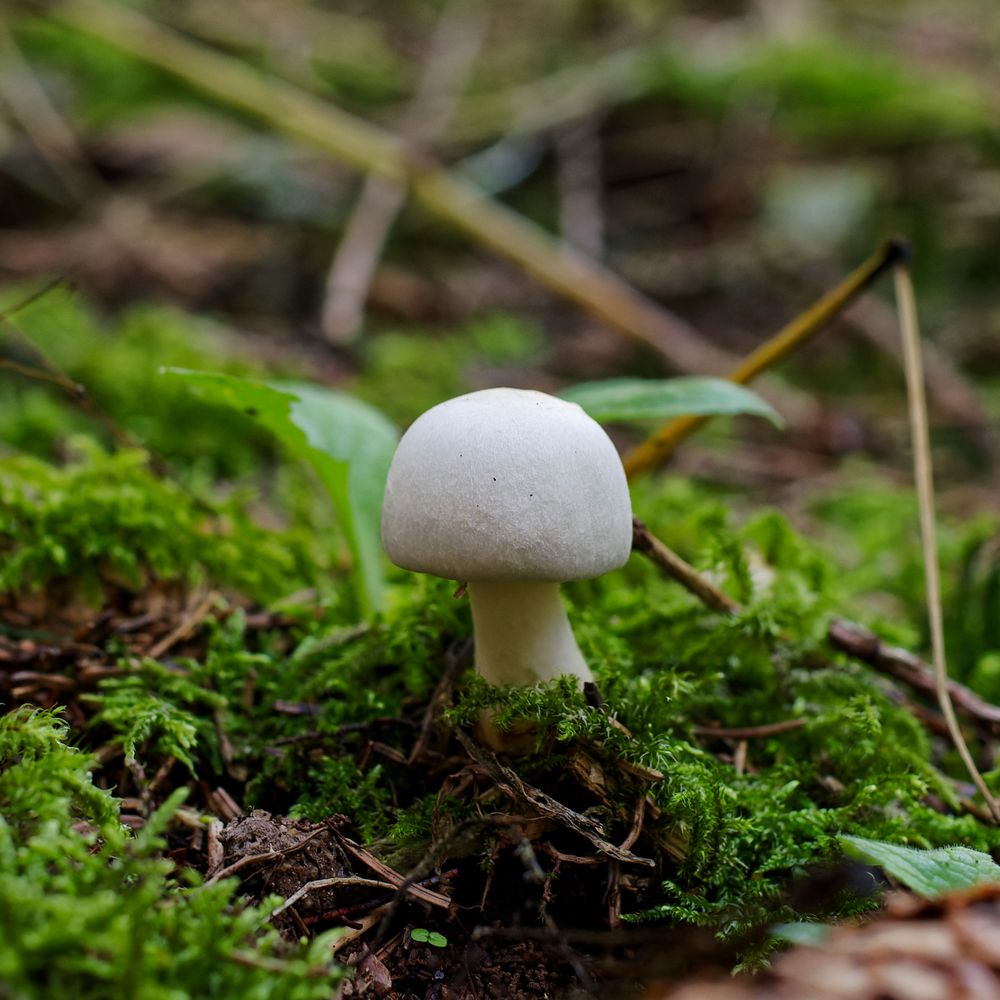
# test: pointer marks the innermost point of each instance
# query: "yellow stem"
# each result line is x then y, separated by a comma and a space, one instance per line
662, 444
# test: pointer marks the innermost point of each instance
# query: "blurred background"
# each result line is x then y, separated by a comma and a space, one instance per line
728, 161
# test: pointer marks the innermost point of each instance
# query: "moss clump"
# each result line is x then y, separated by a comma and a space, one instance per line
88, 910
108, 520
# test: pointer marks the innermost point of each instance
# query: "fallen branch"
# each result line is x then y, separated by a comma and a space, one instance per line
865, 645
397, 881
255, 860
453, 48
328, 883
847, 636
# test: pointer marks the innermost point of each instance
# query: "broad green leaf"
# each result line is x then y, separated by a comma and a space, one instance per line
660, 399
349, 443
929, 873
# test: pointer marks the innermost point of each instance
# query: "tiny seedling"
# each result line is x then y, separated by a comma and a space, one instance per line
423, 936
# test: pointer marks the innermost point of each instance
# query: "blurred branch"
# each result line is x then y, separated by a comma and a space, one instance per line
453, 48
578, 180
31, 107
371, 149
664, 442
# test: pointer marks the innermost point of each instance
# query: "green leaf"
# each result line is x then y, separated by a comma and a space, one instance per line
349, 443
423, 936
660, 399
929, 873
800, 932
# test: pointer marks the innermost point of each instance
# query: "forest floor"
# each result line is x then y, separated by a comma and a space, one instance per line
236, 762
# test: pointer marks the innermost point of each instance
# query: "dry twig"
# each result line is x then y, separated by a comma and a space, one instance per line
863, 644
452, 50
644, 541
509, 782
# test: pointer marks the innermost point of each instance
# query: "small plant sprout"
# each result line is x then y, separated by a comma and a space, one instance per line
423, 936
515, 492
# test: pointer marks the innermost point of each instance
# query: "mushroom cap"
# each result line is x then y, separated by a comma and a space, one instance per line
507, 484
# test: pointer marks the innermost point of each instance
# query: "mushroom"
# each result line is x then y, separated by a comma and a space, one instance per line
514, 492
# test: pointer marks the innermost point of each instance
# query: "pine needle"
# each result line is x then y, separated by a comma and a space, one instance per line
923, 474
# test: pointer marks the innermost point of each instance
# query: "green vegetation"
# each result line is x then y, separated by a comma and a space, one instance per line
90, 909
108, 521
196, 618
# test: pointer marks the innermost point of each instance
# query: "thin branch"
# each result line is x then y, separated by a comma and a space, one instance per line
849, 637
863, 644
578, 183
510, 783
188, 624
328, 883
644, 541
30, 299
661, 445
31, 106
399, 883
922, 469
751, 732
368, 148
453, 48
255, 860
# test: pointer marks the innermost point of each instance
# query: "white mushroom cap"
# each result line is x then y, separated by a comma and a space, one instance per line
507, 484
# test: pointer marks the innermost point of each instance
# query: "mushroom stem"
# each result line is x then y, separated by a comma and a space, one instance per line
522, 633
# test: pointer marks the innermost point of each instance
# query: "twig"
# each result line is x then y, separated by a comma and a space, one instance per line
396, 880
637, 819
214, 852
35, 113
751, 732
327, 883
564, 95
578, 182
644, 541
373, 150
850, 637
509, 782
453, 48
906, 303
189, 623
253, 860
865, 645
456, 660
660, 445
30, 299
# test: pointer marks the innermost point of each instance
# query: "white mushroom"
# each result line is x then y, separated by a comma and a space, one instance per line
515, 492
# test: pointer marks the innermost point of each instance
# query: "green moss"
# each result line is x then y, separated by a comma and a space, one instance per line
88, 909
107, 520
118, 363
